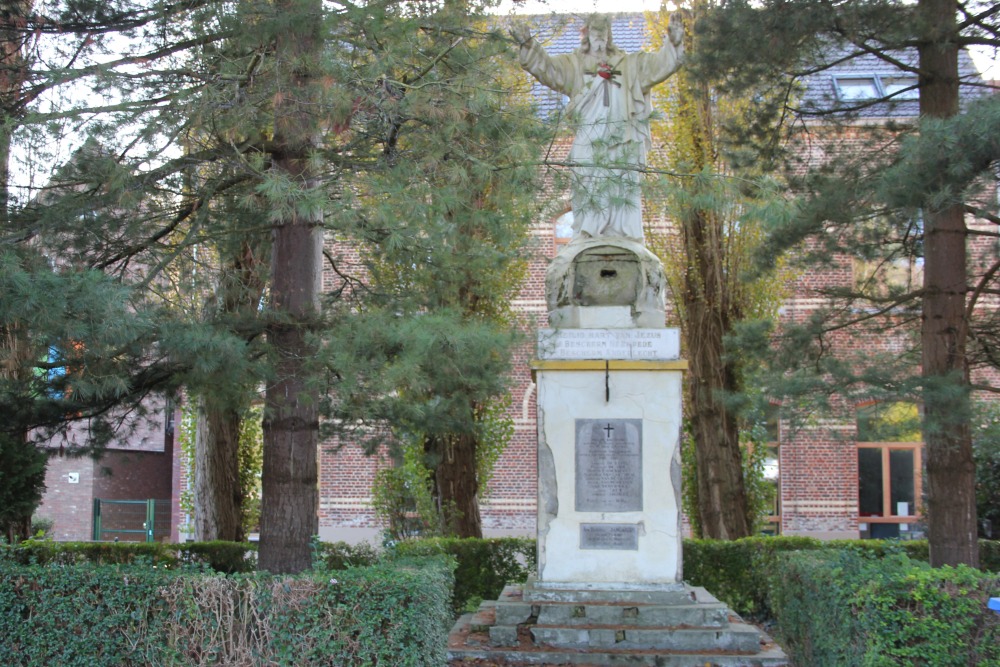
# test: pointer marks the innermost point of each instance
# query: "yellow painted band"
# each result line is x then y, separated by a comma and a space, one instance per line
611, 365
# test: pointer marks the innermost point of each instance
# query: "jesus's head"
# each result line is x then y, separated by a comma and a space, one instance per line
595, 38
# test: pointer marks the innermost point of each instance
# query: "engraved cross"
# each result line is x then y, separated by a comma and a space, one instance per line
609, 428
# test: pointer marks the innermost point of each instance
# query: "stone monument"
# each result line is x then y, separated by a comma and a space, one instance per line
609, 586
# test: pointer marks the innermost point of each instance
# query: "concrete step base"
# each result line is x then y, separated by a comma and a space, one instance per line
531, 625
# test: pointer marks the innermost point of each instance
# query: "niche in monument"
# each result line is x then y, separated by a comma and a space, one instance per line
608, 465
606, 276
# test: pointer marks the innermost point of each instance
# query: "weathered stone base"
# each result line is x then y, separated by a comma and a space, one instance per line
531, 625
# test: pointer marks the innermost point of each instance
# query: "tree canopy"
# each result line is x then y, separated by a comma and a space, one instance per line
876, 201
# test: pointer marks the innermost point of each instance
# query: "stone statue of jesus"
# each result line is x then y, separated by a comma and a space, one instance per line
610, 107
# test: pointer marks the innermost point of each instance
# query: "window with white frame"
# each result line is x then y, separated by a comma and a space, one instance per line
860, 87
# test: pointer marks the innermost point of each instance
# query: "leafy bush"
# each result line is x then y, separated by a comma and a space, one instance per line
66, 553
485, 566
220, 556
77, 615
736, 571
849, 608
96, 615
389, 614
341, 555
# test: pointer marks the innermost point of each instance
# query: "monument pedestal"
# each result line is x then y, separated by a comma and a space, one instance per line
609, 473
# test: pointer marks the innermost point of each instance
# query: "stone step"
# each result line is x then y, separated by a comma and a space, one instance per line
518, 658
667, 595
737, 637
693, 607
628, 627
709, 615
468, 648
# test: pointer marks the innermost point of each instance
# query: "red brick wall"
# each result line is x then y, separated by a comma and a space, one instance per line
137, 469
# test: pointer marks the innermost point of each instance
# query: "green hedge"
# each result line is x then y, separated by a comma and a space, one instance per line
140, 614
43, 552
846, 607
485, 566
737, 572
220, 556
341, 555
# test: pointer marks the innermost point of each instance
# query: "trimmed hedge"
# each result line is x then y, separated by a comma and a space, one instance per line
341, 555
43, 552
737, 572
96, 615
485, 566
220, 556
848, 608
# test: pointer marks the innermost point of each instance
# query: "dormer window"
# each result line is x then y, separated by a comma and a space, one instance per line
901, 87
872, 87
856, 88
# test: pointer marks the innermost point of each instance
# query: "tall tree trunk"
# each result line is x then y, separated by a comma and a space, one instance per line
289, 502
13, 70
722, 498
951, 501
709, 307
16, 349
218, 492
455, 483
218, 498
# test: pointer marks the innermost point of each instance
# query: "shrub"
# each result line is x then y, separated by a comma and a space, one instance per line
484, 567
97, 615
810, 597
220, 556
736, 571
76, 615
106, 553
389, 614
341, 555
849, 608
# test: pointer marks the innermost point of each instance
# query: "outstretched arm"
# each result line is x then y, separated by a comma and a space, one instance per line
656, 67
551, 72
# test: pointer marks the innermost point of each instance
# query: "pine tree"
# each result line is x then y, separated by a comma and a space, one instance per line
868, 204
445, 231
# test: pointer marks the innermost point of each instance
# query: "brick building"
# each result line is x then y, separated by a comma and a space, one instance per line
134, 486
833, 479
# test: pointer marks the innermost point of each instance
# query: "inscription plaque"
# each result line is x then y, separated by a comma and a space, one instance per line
609, 536
628, 344
608, 465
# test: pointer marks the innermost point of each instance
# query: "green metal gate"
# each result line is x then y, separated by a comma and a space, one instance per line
129, 520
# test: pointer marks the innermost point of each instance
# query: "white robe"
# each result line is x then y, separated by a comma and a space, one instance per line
611, 142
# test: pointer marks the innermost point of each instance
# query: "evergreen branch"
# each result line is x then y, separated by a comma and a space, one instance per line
980, 213
65, 76
115, 23
431, 65
886, 309
883, 54
980, 287
183, 214
977, 19
348, 280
